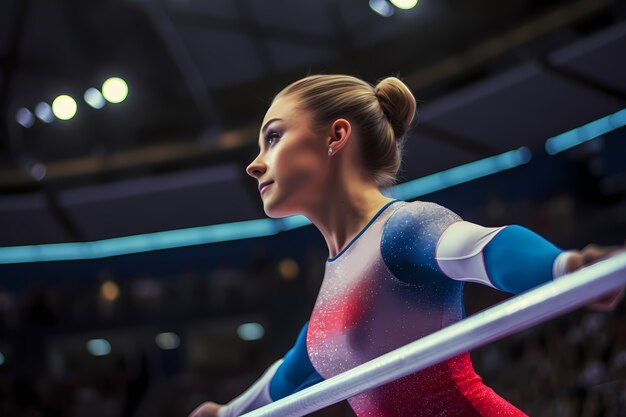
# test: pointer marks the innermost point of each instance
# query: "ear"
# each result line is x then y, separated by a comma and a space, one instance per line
340, 134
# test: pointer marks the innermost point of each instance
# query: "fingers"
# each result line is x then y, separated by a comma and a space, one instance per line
593, 253
590, 254
574, 262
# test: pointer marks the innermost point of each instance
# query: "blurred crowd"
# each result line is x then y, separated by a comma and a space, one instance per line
45, 369
574, 366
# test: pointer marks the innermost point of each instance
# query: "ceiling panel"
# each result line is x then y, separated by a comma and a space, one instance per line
290, 55
310, 17
188, 199
51, 37
424, 155
221, 9
26, 220
355, 13
377, 31
521, 107
601, 57
215, 50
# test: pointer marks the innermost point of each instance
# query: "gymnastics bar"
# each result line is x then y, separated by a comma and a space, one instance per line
516, 314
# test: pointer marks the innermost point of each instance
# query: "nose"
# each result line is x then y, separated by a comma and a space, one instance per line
257, 168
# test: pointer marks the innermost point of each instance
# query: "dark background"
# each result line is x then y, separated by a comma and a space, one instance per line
489, 76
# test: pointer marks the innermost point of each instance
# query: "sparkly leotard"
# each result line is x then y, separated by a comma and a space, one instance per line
364, 309
400, 279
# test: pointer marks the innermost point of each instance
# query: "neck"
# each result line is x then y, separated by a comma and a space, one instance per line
344, 213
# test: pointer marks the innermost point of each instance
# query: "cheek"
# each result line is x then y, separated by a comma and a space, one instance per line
301, 170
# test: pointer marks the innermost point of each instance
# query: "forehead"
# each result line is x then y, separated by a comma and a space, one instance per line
285, 107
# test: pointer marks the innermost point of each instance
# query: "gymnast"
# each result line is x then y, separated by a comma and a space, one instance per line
395, 272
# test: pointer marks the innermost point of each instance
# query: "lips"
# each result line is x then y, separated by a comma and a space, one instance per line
264, 185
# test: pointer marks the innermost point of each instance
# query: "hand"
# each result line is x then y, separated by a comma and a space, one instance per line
207, 409
591, 254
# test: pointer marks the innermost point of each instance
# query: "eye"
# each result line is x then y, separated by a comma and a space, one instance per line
271, 137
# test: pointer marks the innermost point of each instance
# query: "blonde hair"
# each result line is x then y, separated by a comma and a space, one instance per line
381, 114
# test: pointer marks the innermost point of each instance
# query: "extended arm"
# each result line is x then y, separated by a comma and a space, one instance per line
510, 258
424, 242
513, 258
288, 375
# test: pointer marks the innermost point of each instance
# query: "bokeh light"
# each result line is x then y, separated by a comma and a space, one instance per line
109, 291
251, 331
404, 4
382, 7
64, 107
167, 340
44, 112
115, 90
25, 117
2, 359
37, 171
99, 347
288, 268
94, 98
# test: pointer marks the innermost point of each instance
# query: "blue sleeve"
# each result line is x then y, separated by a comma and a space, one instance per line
296, 372
518, 259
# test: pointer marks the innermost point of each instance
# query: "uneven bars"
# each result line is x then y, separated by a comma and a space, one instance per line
516, 314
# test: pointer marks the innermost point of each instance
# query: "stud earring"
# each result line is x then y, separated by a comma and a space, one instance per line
330, 151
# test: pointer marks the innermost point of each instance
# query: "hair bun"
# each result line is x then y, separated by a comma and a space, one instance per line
397, 103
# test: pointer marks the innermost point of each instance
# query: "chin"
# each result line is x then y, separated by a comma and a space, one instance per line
277, 212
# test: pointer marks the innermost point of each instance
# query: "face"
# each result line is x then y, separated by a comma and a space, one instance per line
292, 160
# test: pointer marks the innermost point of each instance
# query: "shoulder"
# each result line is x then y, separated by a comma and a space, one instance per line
411, 234
420, 217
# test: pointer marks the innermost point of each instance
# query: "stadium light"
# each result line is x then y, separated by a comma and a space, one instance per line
64, 107
404, 4
382, 7
115, 90
94, 98
25, 117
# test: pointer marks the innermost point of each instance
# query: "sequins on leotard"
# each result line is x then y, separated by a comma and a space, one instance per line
377, 296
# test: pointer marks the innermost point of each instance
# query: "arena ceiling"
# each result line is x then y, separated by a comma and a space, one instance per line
490, 76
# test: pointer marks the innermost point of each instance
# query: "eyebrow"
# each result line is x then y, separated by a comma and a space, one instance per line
268, 123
